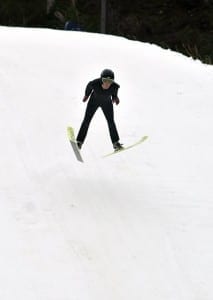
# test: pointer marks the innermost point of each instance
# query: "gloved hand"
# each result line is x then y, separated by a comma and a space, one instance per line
85, 98
116, 100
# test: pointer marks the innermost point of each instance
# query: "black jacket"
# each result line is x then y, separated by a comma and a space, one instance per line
97, 93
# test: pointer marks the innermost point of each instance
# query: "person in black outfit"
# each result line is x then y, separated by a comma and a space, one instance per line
102, 92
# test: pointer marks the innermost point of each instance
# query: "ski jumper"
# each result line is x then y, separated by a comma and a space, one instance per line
104, 99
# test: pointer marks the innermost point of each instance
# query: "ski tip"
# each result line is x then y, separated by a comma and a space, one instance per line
145, 137
69, 129
70, 133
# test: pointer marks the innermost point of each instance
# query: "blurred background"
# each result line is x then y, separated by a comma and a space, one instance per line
185, 26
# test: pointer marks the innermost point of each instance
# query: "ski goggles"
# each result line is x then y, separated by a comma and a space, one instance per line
107, 79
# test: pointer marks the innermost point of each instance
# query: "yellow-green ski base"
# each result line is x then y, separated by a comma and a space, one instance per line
70, 134
128, 147
71, 137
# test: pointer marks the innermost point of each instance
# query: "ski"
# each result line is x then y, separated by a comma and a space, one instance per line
141, 140
71, 137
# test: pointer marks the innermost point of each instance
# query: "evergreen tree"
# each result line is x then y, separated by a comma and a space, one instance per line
22, 12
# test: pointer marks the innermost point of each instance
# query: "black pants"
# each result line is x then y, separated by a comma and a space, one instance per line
107, 108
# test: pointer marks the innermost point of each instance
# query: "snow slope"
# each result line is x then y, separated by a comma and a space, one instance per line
137, 225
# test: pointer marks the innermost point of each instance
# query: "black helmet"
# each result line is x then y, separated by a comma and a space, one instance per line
107, 73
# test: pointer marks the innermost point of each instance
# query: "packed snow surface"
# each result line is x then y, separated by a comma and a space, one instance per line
137, 225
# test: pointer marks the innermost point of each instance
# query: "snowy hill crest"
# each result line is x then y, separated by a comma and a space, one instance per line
137, 225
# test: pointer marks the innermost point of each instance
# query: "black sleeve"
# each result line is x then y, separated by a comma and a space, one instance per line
115, 91
89, 88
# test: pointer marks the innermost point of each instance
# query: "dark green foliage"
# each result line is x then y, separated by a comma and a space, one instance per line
182, 25
22, 12
89, 14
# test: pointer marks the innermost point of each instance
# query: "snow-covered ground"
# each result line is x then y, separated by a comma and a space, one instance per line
137, 225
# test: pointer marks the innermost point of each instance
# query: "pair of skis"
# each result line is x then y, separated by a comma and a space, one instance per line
71, 137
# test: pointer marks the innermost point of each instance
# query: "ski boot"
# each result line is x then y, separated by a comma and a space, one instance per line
79, 144
117, 146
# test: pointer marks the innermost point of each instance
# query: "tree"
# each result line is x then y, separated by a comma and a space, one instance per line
22, 12
103, 15
50, 4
